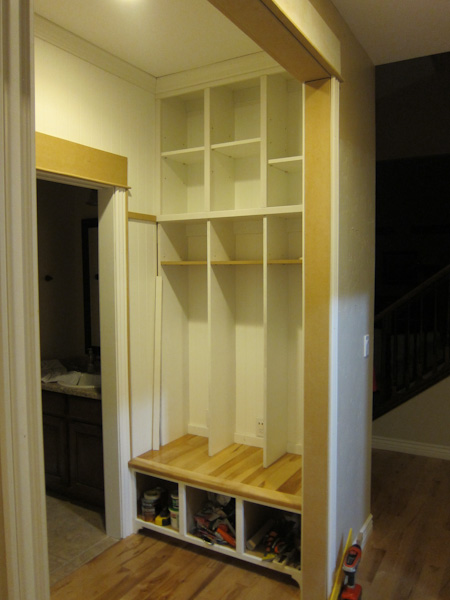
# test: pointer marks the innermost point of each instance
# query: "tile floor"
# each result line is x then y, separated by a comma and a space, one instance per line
75, 536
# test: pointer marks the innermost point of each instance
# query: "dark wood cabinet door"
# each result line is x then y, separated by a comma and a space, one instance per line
86, 462
55, 453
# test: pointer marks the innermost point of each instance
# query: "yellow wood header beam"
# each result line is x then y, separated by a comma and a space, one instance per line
298, 39
54, 155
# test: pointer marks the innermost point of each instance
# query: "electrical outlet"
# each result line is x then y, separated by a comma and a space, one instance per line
260, 427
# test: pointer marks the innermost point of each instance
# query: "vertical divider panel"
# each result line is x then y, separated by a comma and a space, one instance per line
276, 426
174, 349
264, 141
240, 537
158, 146
207, 142
266, 357
222, 325
182, 509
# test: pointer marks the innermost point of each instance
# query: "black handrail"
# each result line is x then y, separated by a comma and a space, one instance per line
412, 343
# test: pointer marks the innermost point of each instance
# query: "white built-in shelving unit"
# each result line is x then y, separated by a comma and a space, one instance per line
230, 251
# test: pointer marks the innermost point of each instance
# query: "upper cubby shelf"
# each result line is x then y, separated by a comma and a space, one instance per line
231, 149
182, 122
235, 112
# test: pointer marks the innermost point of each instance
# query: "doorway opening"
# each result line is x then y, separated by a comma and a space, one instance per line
70, 346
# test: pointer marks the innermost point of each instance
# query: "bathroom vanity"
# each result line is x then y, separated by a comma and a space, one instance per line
73, 445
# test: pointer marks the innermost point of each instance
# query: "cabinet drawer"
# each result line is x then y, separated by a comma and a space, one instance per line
85, 409
53, 403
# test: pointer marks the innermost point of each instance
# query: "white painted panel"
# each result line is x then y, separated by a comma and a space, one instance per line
222, 306
175, 353
198, 347
249, 350
84, 104
142, 278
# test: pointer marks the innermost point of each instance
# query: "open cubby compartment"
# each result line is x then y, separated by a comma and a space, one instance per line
184, 351
284, 330
284, 141
201, 518
284, 118
236, 176
235, 112
184, 242
285, 182
237, 240
183, 182
237, 333
259, 522
284, 238
182, 122
145, 482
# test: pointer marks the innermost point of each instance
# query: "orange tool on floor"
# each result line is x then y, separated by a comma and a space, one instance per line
352, 590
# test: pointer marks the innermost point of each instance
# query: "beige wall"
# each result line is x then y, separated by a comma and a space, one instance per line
355, 281
419, 426
79, 102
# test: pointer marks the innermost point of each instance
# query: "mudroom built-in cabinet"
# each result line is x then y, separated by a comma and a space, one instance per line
229, 360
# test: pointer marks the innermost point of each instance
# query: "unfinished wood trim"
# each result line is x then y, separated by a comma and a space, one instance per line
135, 216
308, 27
317, 261
261, 21
55, 155
237, 470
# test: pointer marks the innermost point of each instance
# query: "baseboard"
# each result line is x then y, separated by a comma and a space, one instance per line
411, 447
366, 531
249, 440
199, 430
293, 448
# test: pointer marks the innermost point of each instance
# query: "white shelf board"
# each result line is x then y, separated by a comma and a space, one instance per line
243, 213
239, 149
189, 156
289, 164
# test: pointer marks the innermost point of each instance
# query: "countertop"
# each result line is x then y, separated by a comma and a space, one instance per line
74, 390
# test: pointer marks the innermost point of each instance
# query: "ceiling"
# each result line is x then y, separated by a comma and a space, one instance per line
162, 37
396, 30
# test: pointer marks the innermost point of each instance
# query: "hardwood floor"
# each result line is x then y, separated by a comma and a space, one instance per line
408, 554
153, 567
406, 558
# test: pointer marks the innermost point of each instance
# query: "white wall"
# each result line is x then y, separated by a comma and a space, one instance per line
83, 103
420, 426
79, 102
350, 504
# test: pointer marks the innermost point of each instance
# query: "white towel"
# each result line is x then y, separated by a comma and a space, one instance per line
54, 371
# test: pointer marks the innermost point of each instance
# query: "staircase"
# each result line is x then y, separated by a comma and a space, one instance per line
412, 344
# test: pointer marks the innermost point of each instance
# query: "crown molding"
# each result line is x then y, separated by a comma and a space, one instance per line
65, 40
233, 69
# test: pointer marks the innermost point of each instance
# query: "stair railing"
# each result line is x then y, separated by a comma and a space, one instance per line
412, 343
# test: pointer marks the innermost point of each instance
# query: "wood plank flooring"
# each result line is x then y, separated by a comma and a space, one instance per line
237, 470
406, 558
408, 554
153, 567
